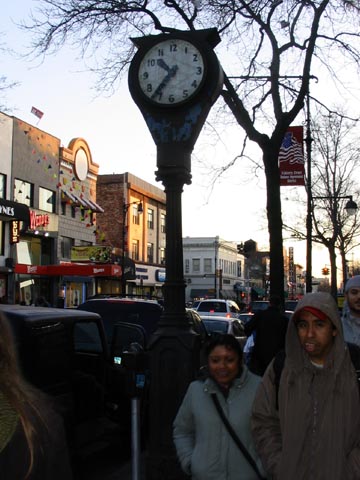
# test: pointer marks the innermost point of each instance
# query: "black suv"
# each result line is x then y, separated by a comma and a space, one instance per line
135, 311
65, 354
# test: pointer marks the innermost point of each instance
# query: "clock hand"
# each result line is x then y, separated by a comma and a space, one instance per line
163, 65
165, 81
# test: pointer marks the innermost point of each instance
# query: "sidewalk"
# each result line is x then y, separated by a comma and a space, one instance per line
125, 471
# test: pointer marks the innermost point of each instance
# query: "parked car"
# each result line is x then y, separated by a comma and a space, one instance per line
218, 307
135, 311
64, 353
245, 317
258, 305
218, 324
290, 304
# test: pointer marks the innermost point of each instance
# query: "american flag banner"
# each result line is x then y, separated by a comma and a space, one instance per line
38, 113
291, 158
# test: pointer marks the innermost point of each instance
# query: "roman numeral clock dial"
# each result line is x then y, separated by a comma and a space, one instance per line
171, 72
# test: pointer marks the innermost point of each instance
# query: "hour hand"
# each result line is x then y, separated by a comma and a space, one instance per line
163, 65
165, 81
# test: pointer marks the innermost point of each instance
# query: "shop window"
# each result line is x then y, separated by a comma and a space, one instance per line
162, 222
207, 265
162, 256
135, 215
135, 250
47, 200
187, 265
24, 192
196, 264
150, 252
2, 185
150, 218
66, 244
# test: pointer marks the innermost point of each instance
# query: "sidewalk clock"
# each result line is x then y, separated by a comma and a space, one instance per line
174, 78
171, 72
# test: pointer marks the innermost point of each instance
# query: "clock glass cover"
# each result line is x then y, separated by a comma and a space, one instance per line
171, 72
81, 164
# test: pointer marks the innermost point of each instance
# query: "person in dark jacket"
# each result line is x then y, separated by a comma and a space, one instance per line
306, 426
270, 327
32, 437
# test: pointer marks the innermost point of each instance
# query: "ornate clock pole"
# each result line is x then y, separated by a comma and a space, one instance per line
174, 78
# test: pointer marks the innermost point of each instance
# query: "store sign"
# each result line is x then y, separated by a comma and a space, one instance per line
38, 220
15, 232
91, 254
160, 275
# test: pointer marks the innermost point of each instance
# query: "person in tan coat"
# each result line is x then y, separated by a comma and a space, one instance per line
309, 426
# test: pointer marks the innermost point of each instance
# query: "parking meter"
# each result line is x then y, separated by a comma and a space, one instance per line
134, 360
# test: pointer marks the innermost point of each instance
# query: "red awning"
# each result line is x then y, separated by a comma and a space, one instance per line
78, 269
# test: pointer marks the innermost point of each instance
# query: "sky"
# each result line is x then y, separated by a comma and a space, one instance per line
233, 208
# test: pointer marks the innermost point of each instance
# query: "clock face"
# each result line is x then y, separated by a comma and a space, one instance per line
81, 164
171, 72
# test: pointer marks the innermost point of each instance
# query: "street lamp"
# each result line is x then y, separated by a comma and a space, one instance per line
125, 241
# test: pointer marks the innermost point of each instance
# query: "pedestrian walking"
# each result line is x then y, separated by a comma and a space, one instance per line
270, 327
32, 437
205, 448
306, 415
351, 311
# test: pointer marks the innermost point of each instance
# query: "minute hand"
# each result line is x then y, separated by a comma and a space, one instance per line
165, 81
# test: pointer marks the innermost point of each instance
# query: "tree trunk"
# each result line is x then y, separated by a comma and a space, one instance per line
273, 210
333, 279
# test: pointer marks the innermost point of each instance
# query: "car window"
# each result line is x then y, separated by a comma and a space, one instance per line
212, 307
216, 326
87, 337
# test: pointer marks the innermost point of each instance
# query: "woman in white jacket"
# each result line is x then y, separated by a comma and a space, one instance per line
204, 446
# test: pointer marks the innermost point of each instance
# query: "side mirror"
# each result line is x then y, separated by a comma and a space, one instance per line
124, 335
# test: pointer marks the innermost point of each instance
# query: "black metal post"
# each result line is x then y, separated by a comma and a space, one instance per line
308, 141
174, 348
123, 279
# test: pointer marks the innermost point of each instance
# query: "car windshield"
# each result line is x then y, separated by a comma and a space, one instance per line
212, 307
216, 326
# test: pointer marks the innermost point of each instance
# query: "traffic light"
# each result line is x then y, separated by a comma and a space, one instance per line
325, 271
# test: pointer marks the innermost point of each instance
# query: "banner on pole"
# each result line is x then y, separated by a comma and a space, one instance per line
291, 158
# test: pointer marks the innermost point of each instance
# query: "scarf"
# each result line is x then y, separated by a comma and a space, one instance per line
8, 421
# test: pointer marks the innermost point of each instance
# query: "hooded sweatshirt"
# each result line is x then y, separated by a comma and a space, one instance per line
315, 432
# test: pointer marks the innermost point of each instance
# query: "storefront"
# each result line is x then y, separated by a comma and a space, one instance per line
15, 217
148, 282
75, 281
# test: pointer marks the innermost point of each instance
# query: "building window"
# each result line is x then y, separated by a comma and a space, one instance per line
66, 244
196, 264
46, 200
135, 250
135, 214
150, 253
187, 265
24, 192
150, 218
162, 256
208, 265
2, 185
163, 223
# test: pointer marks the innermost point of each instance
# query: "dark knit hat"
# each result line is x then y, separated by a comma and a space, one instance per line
353, 282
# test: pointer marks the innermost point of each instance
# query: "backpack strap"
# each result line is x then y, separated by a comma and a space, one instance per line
354, 351
278, 366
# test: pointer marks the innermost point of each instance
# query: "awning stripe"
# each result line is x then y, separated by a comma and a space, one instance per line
83, 201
